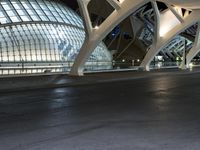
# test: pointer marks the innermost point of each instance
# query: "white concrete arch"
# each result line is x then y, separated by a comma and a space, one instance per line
161, 42
189, 4
194, 51
123, 9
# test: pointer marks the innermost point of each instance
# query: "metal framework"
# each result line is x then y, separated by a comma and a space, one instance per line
123, 9
42, 33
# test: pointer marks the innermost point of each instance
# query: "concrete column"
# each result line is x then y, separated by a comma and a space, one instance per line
147, 60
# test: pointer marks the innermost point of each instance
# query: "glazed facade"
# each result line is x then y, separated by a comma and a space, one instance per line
43, 34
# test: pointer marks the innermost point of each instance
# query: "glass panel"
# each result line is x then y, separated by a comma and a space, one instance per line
14, 19
15, 5
5, 6
42, 43
25, 18
21, 12
10, 13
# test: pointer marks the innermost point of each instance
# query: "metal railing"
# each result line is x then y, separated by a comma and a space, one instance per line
28, 68
7, 69
160, 65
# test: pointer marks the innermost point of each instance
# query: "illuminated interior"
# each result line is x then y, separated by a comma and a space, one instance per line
43, 33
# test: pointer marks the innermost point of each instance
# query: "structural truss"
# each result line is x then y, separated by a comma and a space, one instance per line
176, 19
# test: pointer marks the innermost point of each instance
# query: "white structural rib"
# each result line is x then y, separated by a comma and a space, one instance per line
86, 16
123, 9
114, 3
194, 51
162, 42
95, 35
157, 22
178, 15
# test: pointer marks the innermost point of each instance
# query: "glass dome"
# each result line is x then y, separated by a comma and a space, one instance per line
43, 33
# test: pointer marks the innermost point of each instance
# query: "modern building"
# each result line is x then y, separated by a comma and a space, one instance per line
167, 29
43, 36
40, 36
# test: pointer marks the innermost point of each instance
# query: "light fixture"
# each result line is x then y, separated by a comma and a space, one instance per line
159, 65
191, 65
96, 27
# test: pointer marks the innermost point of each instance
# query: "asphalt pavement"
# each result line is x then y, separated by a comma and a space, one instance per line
130, 111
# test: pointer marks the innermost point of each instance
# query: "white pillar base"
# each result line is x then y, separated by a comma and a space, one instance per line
75, 72
184, 67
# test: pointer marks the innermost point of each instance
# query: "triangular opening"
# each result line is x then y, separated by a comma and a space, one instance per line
98, 13
161, 6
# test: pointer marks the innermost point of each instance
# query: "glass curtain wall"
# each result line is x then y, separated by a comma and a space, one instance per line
40, 35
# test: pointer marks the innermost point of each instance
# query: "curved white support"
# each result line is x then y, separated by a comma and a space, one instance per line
157, 22
95, 36
156, 29
160, 44
122, 10
114, 3
83, 4
178, 15
194, 51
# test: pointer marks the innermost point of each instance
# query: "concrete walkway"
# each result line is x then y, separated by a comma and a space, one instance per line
128, 111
